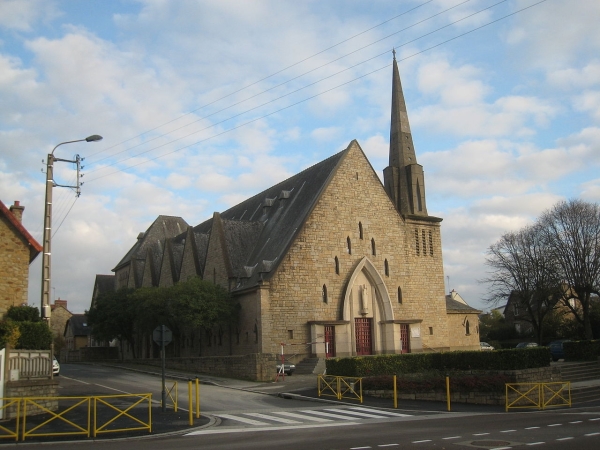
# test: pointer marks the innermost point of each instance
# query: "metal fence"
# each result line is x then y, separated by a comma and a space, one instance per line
72, 416
340, 387
538, 395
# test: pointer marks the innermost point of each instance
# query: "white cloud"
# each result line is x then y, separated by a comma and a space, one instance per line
326, 134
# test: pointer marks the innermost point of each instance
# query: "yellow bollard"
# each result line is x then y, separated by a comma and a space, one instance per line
395, 394
448, 392
190, 404
197, 398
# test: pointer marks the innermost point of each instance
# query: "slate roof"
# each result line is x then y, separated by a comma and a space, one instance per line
456, 307
259, 230
34, 247
78, 325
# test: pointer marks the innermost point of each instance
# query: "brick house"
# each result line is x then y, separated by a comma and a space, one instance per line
330, 262
18, 249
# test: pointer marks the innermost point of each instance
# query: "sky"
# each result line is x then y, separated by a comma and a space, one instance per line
203, 104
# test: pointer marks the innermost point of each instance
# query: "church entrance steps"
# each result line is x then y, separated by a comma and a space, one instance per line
581, 371
310, 366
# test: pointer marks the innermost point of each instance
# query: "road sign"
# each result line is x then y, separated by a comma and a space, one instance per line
162, 337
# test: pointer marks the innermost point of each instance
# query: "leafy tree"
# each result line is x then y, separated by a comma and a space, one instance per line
23, 328
113, 316
571, 230
493, 327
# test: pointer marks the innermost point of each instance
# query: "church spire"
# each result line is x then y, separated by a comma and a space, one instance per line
403, 179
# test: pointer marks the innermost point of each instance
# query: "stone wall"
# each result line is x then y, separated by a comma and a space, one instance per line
255, 367
44, 392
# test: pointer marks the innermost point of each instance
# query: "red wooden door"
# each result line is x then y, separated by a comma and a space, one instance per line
363, 332
404, 340
329, 341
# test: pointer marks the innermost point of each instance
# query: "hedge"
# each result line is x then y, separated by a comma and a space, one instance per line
512, 359
582, 350
435, 381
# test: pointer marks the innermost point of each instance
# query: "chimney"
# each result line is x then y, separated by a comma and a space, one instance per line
17, 210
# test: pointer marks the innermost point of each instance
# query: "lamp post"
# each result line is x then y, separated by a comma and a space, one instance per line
46, 279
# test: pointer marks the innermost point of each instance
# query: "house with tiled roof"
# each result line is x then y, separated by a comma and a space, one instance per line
330, 262
18, 249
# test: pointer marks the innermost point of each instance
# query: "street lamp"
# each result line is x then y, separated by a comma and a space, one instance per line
45, 304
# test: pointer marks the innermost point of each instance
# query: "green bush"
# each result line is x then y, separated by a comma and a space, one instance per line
436, 381
511, 359
34, 336
582, 350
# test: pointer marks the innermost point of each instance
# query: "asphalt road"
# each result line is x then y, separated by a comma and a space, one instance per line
246, 420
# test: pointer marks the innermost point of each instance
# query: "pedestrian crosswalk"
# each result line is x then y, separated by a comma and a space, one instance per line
304, 416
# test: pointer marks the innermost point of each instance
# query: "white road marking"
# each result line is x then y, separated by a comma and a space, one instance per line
113, 389
481, 434
301, 416
532, 428
324, 414
535, 443
592, 420
565, 438
275, 419
356, 413
555, 425
451, 437
74, 379
378, 411
592, 434
241, 419
576, 421
420, 442
508, 431
388, 445
226, 430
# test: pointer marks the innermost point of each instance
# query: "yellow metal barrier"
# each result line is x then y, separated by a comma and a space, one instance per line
68, 422
175, 401
6, 404
538, 395
120, 413
340, 387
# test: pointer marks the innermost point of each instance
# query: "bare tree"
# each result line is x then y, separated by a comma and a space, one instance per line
523, 269
571, 229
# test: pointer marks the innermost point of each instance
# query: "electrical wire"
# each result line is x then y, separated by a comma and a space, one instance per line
308, 98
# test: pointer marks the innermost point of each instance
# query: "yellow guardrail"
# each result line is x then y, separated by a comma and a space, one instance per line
71, 416
340, 387
173, 396
538, 395
7, 405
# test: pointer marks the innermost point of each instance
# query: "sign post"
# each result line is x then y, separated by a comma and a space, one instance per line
163, 336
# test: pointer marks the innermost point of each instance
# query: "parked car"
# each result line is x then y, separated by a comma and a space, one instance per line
556, 349
485, 346
526, 344
55, 367
288, 368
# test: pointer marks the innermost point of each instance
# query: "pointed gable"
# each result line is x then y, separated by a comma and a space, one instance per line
17, 227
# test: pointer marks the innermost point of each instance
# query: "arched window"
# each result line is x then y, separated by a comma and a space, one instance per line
467, 328
417, 248
387, 268
399, 295
324, 294
360, 230
349, 243
373, 248
430, 244
337, 265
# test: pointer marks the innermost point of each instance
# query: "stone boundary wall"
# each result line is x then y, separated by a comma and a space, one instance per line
255, 366
538, 375
37, 389
89, 354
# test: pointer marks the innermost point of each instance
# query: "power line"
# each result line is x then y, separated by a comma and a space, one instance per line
267, 77
311, 97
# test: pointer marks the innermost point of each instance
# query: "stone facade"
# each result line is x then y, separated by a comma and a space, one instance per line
17, 250
330, 262
59, 317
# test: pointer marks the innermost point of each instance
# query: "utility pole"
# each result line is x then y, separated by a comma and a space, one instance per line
47, 254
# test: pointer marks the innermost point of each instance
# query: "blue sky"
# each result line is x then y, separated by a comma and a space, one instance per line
204, 103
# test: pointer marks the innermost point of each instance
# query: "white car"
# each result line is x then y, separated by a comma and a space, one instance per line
485, 346
55, 367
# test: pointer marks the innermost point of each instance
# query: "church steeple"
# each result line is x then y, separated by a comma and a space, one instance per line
403, 179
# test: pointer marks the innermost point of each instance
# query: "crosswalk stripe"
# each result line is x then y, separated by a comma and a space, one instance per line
387, 413
356, 413
301, 416
324, 414
241, 419
275, 419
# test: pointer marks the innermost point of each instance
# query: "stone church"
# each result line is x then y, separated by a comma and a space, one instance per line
329, 262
